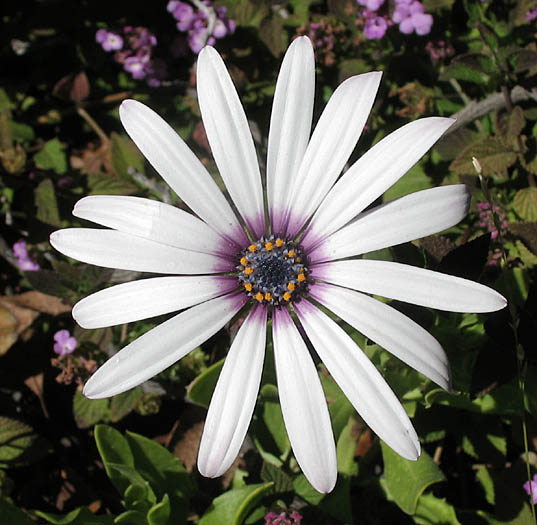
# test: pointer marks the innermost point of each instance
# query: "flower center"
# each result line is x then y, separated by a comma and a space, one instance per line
273, 271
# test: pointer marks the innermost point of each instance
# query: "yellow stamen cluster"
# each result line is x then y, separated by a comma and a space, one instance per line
271, 271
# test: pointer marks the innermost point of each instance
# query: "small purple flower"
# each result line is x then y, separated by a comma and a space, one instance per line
183, 13
108, 40
136, 67
372, 5
281, 519
65, 342
412, 17
25, 263
375, 27
531, 489
531, 15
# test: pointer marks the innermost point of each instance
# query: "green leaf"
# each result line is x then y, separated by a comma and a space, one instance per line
131, 517
339, 406
414, 180
45, 202
160, 467
491, 153
523, 59
486, 481
282, 482
52, 157
202, 388
88, 412
80, 516
12, 515
124, 157
114, 450
233, 506
159, 514
406, 480
21, 132
19, 444
511, 127
461, 71
102, 184
431, 509
272, 34
525, 203
346, 447
249, 12
122, 404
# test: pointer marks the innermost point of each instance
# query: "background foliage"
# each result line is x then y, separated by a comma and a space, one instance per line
131, 459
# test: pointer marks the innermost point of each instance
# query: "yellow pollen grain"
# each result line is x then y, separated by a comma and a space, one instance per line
252, 248
248, 287
287, 296
298, 259
244, 261
279, 243
301, 277
291, 286
291, 253
248, 270
259, 296
269, 246
268, 296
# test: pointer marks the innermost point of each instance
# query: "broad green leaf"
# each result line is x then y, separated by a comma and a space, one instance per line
301, 10
414, 180
282, 482
249, 12
432, 510
525, 203
52, 157
272, 34
232, 507
491, 153
88, 412
11, 515
159, 514
122, 404
269, 433
160, 467
114, 449
45, 202
124, 157
523, 59
19, 443
406, 480
124, 477
511, 127
202, 388
461, 71
80, 516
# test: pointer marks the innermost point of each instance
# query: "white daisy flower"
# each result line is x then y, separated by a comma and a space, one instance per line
282, 268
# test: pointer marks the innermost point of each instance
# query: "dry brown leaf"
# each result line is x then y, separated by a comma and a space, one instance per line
14, 320
39, 302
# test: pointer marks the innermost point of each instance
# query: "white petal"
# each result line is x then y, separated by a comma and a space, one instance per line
405, 219
113, 249
234, 397
360, 381
230, 138
180, 168
389, 328
303, 404
290, 126
331, 144
162, 346
411, 284
153, 220
146, 298
378, 169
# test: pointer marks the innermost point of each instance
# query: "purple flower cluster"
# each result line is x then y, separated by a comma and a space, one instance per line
281, 519
326, 34
531, 489
409, 15
531, 15
196, 23
20, 251
486, 218
133, 48
65, 343
439, 50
